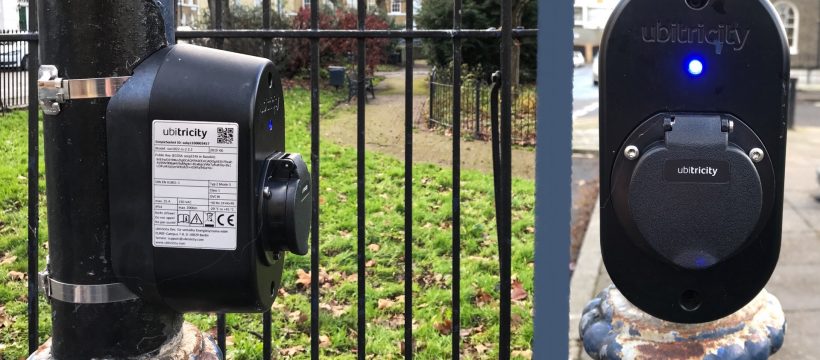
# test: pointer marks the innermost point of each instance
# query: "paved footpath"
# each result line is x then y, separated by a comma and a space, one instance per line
796, 281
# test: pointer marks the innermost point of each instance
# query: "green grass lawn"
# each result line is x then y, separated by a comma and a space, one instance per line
385, 268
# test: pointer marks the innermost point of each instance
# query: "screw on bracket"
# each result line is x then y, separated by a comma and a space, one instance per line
756, 155
631, 152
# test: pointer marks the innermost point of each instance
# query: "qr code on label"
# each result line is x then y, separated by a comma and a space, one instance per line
224, 135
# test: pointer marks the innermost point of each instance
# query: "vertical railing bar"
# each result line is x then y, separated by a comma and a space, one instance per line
266, 316
477, 105
33, 185
504, 230
266, 45
266, 335
432, 97
220, 334
408, 184
218, 21
12, 74
361, 96
314, 165
456, 122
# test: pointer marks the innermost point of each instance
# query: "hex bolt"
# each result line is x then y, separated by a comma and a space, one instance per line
631, 152
727, 125
756, 155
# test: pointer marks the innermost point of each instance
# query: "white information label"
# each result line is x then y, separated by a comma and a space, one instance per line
195, 169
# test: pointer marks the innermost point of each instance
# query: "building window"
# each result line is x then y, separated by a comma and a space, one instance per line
306, 3
579, 16
790, 19
396, 6
22, 11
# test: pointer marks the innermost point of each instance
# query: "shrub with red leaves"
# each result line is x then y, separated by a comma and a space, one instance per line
335, 51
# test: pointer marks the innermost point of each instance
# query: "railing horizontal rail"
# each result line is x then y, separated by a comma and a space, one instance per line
309, 34
21, 36
356, 34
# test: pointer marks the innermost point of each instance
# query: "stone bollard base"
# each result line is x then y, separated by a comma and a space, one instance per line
190, 344
612, 328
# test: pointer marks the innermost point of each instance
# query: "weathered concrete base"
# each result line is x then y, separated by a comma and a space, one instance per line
612, 328
190, 344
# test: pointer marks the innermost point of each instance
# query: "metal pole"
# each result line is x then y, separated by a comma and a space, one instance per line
505, 211
77, 175
33, 185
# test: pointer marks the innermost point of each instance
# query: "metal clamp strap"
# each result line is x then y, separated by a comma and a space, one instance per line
84, 294
52, 90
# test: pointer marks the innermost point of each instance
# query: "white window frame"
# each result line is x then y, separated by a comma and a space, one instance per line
393, 4
306, 3
782, 7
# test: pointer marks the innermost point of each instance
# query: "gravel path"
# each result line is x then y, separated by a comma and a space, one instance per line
384, 131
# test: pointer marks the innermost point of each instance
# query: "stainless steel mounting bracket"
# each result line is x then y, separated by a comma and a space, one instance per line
83, 294
52, 90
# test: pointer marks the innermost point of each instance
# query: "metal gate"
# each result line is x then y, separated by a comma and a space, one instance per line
501, 163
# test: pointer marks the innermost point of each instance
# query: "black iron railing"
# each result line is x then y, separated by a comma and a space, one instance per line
13, 77
476, 108
500, 129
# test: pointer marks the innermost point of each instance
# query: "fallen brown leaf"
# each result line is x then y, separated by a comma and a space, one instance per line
482, 297
303, 278
297, 317
5, 319
335, 310
374, 247
526, 354
324, 341
444, 327
8, 258
17, 276
291, 351
470, 331
385, 303
370, 263
517, 293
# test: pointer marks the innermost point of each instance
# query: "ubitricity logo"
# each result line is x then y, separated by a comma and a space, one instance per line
723, 36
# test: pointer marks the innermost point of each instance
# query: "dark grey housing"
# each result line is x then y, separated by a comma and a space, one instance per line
190, 83
691, 225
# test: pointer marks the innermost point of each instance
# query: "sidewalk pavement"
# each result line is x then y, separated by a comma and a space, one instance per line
796, 281
585, 134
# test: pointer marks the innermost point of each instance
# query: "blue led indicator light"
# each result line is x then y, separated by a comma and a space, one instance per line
270, 125
695, 67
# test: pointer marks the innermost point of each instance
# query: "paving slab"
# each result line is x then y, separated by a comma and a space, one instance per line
802, 334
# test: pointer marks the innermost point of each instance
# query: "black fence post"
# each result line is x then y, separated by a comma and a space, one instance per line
77, 176
432, 97
33, 245
478, 108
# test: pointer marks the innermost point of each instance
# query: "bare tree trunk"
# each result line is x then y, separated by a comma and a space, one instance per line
226, 13
517, 15
515, 63
382, 5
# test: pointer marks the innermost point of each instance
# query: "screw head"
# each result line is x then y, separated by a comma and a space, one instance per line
266, 192
756, 155
631, 152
